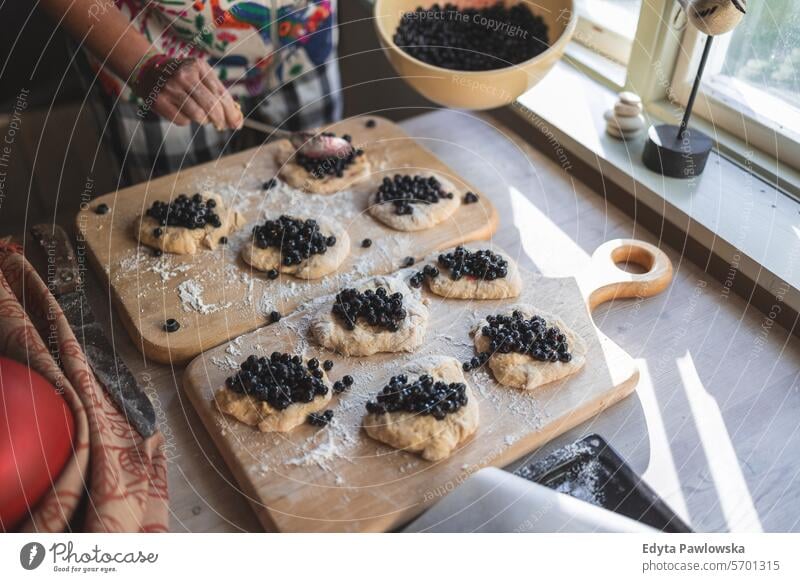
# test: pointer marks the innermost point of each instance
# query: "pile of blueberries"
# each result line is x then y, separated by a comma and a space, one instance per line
422, 396
405, 190
532, 337
184, 211
377, 308
334, 166
472, 39
279, 380
297, 239
482, 264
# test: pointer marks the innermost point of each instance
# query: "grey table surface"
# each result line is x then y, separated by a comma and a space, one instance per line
713, 426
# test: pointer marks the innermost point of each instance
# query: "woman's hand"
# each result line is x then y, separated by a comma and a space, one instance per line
184, 90
187, 90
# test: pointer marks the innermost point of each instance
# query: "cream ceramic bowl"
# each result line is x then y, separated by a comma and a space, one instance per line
475, 89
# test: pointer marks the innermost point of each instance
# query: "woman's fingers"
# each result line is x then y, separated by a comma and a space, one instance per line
193, 92
184, 102
230, 109
233, 113
210, 78
190, 79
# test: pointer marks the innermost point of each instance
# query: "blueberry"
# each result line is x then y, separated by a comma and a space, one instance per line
431, 271
320, 419
223, 240
275, 316
171, 325
101, 209
269, 184
366, 243
370, 123
272, 274
327, 365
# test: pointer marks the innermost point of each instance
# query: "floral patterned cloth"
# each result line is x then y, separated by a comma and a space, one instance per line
255, 45
124, 475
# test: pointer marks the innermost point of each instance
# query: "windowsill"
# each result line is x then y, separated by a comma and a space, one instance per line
747, 222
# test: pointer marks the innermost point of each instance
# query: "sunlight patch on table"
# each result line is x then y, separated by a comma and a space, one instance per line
723, 464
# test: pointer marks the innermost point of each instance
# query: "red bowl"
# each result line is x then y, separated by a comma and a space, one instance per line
36, 432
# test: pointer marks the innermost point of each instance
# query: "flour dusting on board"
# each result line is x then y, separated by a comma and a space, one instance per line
164, 268
323, 447
191, 296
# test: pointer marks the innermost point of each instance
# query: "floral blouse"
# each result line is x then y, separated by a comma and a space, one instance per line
238, 37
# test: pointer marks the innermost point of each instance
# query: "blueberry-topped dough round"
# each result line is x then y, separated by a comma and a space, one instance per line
306, 248
380, 314
404, 192
472, 39
275, 393
321, 175
186, 223
526, 347
428, 408
421, 395
411, 202
320, 168
376, 308
476, 273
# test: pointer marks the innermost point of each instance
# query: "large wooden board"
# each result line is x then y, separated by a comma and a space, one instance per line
338, 479
235, 298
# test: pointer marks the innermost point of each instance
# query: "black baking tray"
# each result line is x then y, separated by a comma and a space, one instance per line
590, 470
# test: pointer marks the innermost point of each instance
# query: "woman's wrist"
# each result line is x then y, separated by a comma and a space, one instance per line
148, 60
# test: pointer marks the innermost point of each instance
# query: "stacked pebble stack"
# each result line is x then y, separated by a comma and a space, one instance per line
626, 119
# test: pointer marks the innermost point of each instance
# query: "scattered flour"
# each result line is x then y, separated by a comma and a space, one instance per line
191, 296
225, 363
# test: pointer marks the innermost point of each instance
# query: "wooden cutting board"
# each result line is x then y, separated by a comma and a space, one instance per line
234, 298
338, 479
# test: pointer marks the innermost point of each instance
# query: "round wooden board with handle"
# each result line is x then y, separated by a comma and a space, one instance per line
338, 479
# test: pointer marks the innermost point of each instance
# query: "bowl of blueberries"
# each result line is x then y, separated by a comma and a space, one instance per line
474, 54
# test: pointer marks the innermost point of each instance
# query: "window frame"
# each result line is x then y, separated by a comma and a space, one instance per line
660, 54
720, 107
602, 40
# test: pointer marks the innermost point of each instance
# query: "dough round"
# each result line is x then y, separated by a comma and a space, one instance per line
297, 177
434, 439
472, 288
366, 340
523, 371
313, 267
187, 241
425, 215
260, 414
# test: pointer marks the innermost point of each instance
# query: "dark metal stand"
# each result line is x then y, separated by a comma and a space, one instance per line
678, 151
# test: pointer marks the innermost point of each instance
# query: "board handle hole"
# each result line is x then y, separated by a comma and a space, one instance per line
633, 259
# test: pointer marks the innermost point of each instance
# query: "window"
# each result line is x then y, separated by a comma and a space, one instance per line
751, 86
608, 26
